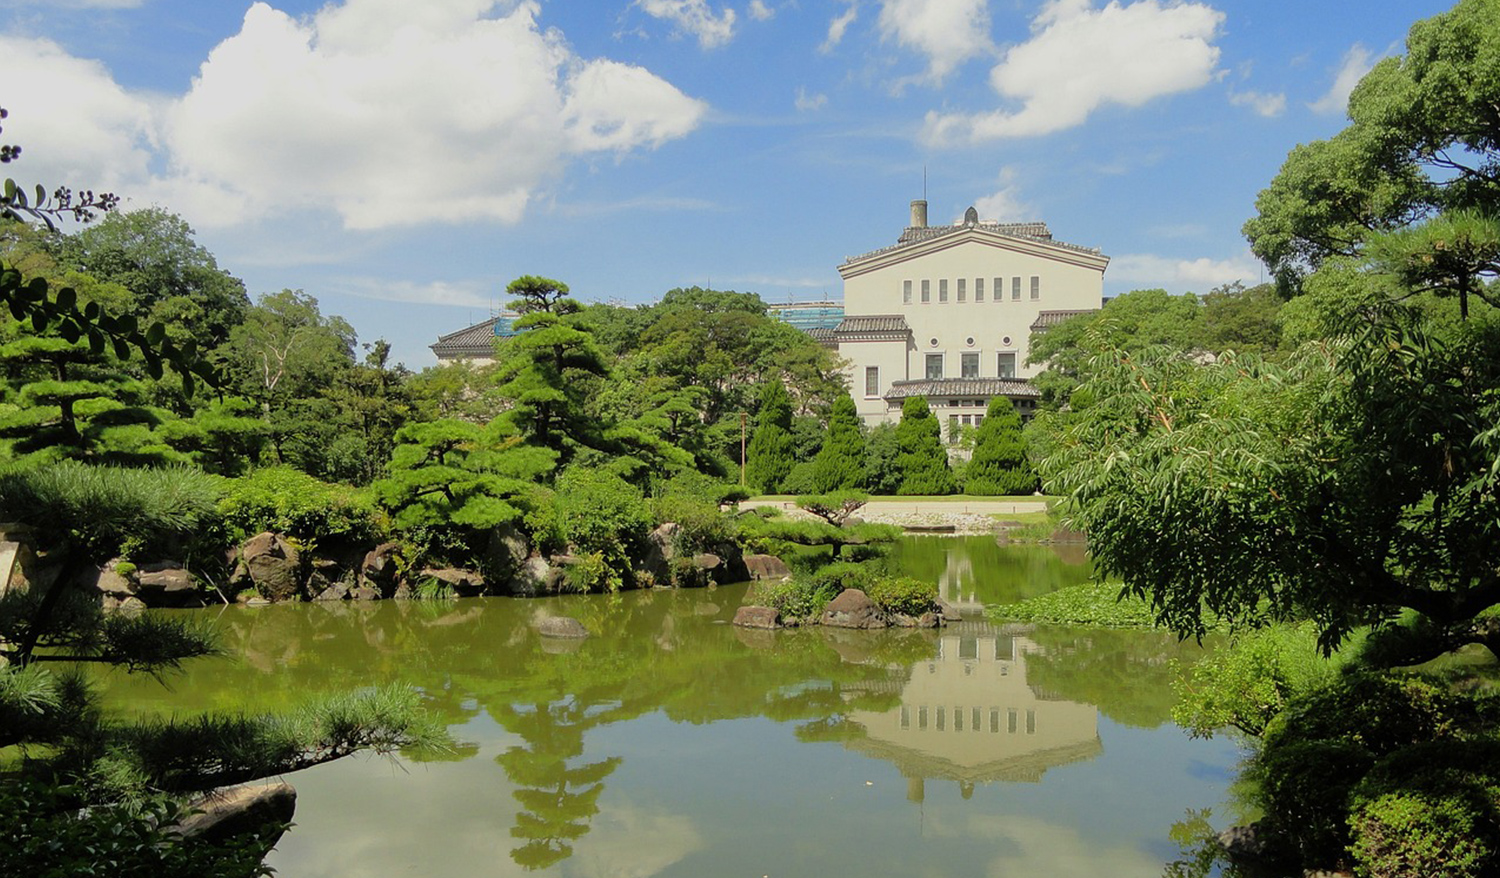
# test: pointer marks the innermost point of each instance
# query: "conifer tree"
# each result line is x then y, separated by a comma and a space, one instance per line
999, 466
922, 461
840, 464
769, 455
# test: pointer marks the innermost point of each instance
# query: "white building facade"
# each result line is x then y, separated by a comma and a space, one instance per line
947, 313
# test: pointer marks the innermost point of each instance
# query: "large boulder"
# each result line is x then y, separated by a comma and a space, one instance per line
272, 565
233, 812
465, 583
766, 567
852, 609
107, 581
167, 584
756, 617
507, 550
661, 548
561, 626
379, 568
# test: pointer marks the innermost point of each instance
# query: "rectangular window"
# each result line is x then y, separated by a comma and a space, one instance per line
906, 292
905, 717
943, 290
1015, 289
927, 291
974, 720
934, 367
1010, 720
958, 719
978, 419
999, 289
962, 282
921, 718
994, 719
942, 719
1036, 288
1030, 722
979, 289
872, 381
1006, 364
969, 365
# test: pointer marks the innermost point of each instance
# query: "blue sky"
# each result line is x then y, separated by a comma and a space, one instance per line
402, 161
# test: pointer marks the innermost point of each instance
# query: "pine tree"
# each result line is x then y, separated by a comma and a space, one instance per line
769, 456
840, 464
922, 461
999, 465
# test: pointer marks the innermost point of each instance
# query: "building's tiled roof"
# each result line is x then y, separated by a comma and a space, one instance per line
1035, 231
471, 341
953, 387
822, 335
1049, 319
882, 323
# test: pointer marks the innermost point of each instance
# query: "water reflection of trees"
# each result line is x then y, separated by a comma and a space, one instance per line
659, 651
977, 570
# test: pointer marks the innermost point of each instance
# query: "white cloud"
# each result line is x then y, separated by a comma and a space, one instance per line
384, 113
471, 294
1268, 105
694, 17
1004, 204
838, 27
1182, 275
948, 32
807, 103
760, 11
1356, 63
1080, 58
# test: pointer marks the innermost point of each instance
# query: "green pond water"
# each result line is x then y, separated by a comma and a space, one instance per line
674, 744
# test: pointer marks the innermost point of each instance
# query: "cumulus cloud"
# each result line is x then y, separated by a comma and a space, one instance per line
760, 11
1355, 64
1005, 203
837, 28
1268, 105
1080, 58
807, 103
1182, 275
695, 18
948, 32
385, 113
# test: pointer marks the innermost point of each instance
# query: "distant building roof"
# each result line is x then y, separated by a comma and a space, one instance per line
808, 316
951, 387
872, 327
823, 335
475, 341
1049, 319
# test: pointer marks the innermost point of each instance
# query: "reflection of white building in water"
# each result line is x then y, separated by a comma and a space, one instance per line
957, 587
969, 715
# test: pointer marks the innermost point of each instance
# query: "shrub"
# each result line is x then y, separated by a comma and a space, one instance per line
999, 465
834, 578
921, 459
1086, 604
1305, 789
903, 594
286, 501
1429, 810
796, 598
702, 526
105, 511
600, 512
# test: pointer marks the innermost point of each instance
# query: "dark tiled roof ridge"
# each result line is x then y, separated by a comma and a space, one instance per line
1032, 231
940, 387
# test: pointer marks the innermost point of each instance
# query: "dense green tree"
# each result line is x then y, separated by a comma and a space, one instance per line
768, 458
175, 280
840, 463
1234, 318
922, 460
546, 368
1423, 138
1131, 321
882, 476
999, 466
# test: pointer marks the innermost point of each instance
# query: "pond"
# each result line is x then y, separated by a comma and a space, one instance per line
674, 744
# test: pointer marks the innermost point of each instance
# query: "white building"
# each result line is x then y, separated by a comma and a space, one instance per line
947, 313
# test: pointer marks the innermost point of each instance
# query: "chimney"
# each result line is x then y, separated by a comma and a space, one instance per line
919, 214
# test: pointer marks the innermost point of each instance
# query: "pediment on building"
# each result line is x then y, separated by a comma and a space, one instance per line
1030, 239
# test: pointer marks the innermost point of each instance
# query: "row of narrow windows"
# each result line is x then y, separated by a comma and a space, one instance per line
961, 289
975, 717
935, 368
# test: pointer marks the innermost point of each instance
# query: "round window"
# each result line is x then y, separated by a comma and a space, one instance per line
932, 341
1005, 341
969, 341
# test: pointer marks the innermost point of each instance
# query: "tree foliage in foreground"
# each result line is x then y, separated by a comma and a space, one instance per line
999, 466
921, 460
